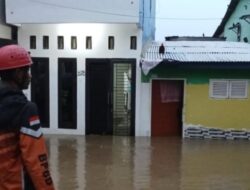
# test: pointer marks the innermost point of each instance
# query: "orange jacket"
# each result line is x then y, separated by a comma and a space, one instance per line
23, 149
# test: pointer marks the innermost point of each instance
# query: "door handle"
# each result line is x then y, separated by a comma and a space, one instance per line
108, 98
111, 98
110, 102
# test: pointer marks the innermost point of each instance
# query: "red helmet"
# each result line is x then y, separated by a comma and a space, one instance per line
14, 56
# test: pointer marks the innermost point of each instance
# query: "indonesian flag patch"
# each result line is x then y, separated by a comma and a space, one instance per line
34, 120
34, 128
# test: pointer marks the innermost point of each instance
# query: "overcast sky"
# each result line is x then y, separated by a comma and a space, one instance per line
188, 17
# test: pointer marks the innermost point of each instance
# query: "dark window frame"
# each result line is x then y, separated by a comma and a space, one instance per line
133, 42
45, 42
88, 42
111, 42
73, 42
60, 42
32, 42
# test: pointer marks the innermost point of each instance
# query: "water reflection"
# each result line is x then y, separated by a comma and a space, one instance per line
215, 164
165, 163
142, 157
143, 163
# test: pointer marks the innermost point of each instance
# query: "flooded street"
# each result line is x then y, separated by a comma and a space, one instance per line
144, 163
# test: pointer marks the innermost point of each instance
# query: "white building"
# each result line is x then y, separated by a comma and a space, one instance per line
6, 31
86, 54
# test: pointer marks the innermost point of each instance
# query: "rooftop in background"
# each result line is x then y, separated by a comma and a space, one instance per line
193, 38
231, 7
197, 54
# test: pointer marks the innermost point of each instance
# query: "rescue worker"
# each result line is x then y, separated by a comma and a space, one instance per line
22, 145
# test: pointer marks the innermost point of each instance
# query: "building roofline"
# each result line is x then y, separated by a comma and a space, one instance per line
196, 54
193, 38
231, 7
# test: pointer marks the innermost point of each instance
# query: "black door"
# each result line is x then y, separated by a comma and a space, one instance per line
40, 88
67, 93
110, 96
98, 96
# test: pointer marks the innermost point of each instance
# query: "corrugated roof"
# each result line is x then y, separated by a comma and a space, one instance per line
195, 51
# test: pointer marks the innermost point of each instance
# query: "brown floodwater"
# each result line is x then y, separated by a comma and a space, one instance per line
145, 163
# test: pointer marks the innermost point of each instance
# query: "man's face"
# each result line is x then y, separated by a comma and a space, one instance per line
23, 77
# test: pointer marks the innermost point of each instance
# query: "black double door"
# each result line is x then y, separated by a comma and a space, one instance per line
40, 88
100, 96
67, 91
67, 83
110, 94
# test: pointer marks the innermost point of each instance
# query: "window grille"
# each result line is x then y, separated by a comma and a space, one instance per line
228, 89
219, 89
238, 89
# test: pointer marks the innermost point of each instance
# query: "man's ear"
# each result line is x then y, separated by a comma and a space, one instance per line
17, 74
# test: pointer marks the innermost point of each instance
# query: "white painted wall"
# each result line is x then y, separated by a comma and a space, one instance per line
72, 11
99, 33
143, 107
5, 31
126, 18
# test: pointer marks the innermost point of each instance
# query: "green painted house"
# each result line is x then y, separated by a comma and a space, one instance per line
197, 89
235, 25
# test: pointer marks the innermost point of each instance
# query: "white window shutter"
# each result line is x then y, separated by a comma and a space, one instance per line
219, 89
238, 88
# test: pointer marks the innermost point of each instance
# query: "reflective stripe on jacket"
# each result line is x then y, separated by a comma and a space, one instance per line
23, 149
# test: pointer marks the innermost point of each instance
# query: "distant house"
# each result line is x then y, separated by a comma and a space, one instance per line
86, 55
235, 25
197, 89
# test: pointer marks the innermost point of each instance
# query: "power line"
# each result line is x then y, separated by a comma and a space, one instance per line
81, 9
180, 18
124, 15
